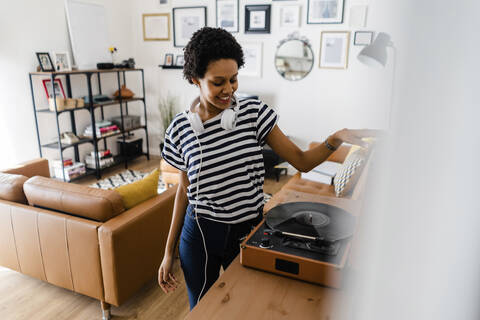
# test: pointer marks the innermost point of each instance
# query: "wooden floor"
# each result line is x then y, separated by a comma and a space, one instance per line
26, 298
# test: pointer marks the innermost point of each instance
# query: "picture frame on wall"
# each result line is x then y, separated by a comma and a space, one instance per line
363, 38
325, 11
252, 53
156, 26
290, 16
187, 20
334, 46
227, 15
59, 92
46, 64
62, 61
180, 60
257, 18
168, 59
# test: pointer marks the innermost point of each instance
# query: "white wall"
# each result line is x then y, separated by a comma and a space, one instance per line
420, 256
39, 26
310, 109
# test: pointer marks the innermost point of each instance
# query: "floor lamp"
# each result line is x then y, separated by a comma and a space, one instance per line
375, 55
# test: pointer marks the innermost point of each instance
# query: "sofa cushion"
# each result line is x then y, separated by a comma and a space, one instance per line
349, 173
36, 167
11, 187
95, 204
139, 191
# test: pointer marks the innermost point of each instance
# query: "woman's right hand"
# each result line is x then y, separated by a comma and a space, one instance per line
166, 279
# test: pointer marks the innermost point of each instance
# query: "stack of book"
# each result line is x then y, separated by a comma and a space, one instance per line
70, 168
102, 128
105, 159
323, 173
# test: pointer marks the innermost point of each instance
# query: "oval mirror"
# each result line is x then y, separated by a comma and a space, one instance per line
294, 59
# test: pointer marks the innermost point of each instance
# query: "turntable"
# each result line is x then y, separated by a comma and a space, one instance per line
303, 240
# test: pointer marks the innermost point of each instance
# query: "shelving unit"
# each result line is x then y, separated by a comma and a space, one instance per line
91, 108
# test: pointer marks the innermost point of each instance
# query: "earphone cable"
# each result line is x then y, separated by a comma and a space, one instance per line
196, 217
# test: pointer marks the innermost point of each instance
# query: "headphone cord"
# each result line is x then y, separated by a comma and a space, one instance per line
196, 218
196, 214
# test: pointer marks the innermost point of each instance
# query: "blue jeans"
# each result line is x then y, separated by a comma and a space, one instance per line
223, 245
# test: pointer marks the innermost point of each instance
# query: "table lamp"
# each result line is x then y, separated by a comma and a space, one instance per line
375, 55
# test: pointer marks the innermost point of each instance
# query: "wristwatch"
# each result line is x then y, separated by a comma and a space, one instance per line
329, 146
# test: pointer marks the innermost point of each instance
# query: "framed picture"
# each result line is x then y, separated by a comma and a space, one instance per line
227, 15
290, 16
162, 2
45, 61
156, 26
358, 16
257, 18
186, 21
179, 60
334, 47
252, 53
325, 11
168, 60
62, 61
47, 84
363, 38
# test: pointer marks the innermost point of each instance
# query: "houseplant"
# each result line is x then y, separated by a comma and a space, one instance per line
168, 107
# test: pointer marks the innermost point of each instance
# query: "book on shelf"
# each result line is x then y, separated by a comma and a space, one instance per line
57, 163
323, 173
75, 170
102, 128
102, 154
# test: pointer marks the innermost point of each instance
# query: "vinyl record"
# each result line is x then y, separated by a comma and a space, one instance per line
311, 219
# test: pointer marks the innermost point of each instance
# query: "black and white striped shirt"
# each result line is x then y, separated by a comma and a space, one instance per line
230, 186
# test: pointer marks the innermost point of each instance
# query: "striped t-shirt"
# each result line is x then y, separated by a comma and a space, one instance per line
230, 186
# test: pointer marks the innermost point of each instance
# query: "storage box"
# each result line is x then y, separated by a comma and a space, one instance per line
60, 104
80, 103
132, 146
130, 122
70, 103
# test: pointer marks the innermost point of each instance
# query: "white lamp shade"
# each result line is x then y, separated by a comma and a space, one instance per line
375, 54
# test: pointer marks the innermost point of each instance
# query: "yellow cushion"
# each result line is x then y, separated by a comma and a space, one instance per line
139, 191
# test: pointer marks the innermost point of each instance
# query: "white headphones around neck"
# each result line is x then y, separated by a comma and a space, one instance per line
227, 122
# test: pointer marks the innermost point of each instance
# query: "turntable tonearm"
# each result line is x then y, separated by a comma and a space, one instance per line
303, 240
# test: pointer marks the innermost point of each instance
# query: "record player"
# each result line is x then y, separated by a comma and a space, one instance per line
303, 240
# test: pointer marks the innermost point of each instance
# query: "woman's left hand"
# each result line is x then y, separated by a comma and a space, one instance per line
355, 136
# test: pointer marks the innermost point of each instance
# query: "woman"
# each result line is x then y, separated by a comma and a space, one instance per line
217, 145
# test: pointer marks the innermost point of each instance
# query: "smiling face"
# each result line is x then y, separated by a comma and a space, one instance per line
218, 85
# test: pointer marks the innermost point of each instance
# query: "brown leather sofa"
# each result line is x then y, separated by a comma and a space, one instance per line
80, 238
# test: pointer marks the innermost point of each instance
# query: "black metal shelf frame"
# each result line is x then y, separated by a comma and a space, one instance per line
95, 105
90, 107
54, 145
170, 67
119, 159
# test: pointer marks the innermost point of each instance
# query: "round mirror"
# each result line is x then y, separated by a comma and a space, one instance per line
294, 59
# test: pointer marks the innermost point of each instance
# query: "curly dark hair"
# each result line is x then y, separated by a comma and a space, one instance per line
208, 45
